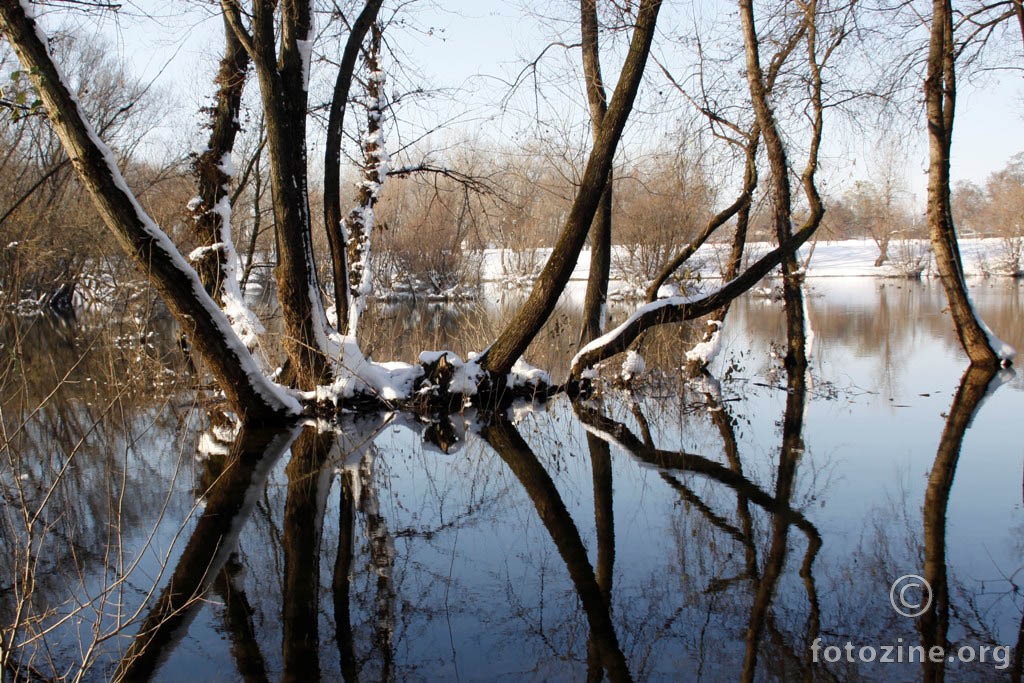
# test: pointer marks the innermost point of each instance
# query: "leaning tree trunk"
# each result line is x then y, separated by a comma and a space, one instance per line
940, 101
601, 227
250, 394
678, 309
531, 316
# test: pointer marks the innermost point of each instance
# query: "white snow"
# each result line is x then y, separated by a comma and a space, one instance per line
200, 252
846, 258
1006, 353
609, 336
521, 409
305, 48
466, 376
705, 351
524, 374
808, 328
633, 366
708, 385
209, 446
227, 165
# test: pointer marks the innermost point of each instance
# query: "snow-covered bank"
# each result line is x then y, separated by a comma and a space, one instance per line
982, 257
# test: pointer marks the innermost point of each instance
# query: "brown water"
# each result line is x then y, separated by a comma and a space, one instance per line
681, 531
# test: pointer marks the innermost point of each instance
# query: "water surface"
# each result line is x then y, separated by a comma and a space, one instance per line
710, 529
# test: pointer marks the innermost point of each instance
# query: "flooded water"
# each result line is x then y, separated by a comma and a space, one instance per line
747, 526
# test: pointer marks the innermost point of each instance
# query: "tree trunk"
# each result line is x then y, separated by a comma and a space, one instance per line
781, 191
360, 220
595, 302
601, 227
940, 101
883, 252
332, 155
250, 394
212, 179
532, 315
283, 82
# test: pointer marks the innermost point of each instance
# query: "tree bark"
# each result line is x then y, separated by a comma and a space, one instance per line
775, 150
532, 315
283, 82
211, 179
596, 298
360, 220
249, 393
940, 102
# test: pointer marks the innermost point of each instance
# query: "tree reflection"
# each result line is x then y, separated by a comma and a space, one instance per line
536, 481
308, 483
229, 503
934, 622
763, 582
335, 555
604, 519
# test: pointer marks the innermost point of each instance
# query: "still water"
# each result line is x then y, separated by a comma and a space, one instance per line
747, 525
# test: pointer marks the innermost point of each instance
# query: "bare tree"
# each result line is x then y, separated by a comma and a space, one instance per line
531, 316
237, 374
601, 227
981, 346
678, 309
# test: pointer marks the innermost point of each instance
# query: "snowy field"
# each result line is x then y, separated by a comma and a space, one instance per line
848, 258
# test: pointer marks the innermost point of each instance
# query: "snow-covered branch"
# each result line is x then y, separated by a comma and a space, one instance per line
678, 308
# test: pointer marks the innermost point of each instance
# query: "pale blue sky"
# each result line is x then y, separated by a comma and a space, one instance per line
496, 38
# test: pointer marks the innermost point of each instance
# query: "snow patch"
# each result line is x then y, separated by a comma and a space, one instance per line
523, 374
633, 366
706, 351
